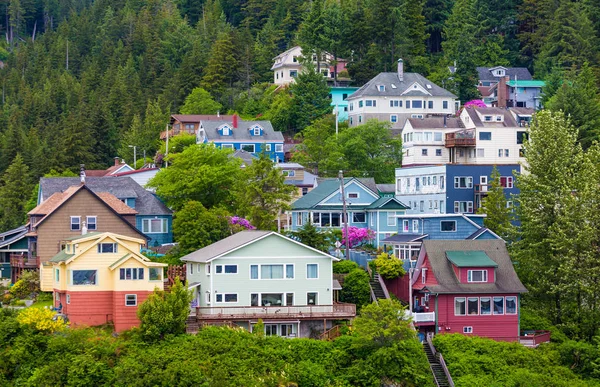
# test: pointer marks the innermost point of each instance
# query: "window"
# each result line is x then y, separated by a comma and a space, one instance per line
444, 104
253, 271
304, 190
506, 153
226, 131
312, 271
131, 274
506, 181
271, 271
299, 218
75, 223
415, 225
360, 103
391, 218
226, 297
430, 104
191, 269
289, 173
423, 152
353, 195
424, 275
107, 248
431, 204
131, 300
498, 305
248, 147
511, 305
499, 118
189, 128
279, 148
521, 137
437, 136
463, 207
422, 206
467, 329
154, 226
256, 131
253, 299
448, 226
91, 222
485, 306
289, 271
227, 269
438, 152
417, 104
293, 73
395, 103
405, 225
207, 297
460, 306
442, 182
488, 118
473, 305
84, 277
408, 104
485, 136
56, 275
480, 152
359, 119
155, 273
226, 146
68, 297
311, 298
381, 87
369, 102
393, 118
268, 147
351, 106
463, 182
521, 152
359, 217
477, 275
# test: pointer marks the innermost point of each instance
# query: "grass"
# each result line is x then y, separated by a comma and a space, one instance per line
42, 304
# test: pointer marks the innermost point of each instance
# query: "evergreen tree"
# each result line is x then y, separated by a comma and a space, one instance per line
200, 102
15, 187
221, 68
311, 97
263, 195
498, 215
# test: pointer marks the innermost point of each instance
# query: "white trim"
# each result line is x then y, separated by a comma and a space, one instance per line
317, 301
136, 299
237, 298
352, 180
317, 277
223, 269
455, 226
260, 278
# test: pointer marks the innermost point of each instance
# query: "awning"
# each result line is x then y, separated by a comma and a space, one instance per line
336, 285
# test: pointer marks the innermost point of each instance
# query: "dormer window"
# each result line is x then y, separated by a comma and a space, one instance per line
499, 118
477, 275
381, 87
256, 131
226, 131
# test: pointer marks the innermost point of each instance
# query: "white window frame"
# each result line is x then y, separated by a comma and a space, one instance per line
316, 300
299, 219
222, 266
423, 275
78, 223
415, 225
484, 275
268, 147
227, 146
134, 299
207, 297
147, 225
312, 264
393, 218
468, 329
353, 195
68, 299
393, 118
516, 305
447, 221
278, 148
87, 222
115, 248
252, 145
405, 225
469, 207
160, 274
465, 303
223, 296
468, 182
256, 131
357, 221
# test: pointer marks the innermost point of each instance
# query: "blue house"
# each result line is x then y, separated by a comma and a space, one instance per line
338, 97
153, 218
369, 205
451, 188
414, 229
251, 136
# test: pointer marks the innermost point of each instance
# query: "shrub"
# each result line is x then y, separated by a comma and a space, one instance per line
28, 283
388, 266
40, 319
356, 288
344, 267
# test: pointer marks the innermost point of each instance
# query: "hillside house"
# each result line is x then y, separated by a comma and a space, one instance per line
288, 64
189, 123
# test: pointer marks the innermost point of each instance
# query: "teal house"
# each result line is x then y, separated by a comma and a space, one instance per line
264, 275
338, 96
369, 205
13, 242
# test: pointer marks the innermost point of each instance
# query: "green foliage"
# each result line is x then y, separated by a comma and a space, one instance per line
200, 102
165, 313
15, 188
344, 267
356, 288
178, 143
310, 97
195, 227
28, 284
499, 216
311, 236
388, 266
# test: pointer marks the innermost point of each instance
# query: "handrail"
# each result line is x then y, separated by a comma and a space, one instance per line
383, 287
331, 333
373, 295
438, 356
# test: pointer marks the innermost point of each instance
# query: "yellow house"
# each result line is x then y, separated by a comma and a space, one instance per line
99, 278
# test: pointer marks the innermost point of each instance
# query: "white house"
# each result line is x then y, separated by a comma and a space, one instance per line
287, 66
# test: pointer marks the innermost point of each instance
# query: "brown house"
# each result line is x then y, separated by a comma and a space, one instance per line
73, 212
189, 123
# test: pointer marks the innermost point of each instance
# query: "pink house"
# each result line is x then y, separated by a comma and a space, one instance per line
468, 287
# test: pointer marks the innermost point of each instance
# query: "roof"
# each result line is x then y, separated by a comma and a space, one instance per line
122, 187
105, 172
246, 157
470, 259
388, 79
196, 118
532, 83
381, 202
508, 122
327, 187
242, 132
61, 257
223, 246
482, 231
308, 181
386, 188
521, 73
288, 166
116, 204
435, 122
16, 235
54, 201
507, 280
403, 238
336, 285
135, 171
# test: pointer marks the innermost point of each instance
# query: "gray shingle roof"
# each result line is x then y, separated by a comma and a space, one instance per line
388, 79
121, 187
521, 72
506, 277
13, 236
223, 246
403, 238
387, 188
242, 132
509, 119
435, 123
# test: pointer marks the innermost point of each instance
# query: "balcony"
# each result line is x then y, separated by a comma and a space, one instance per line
420, 318
22, 261
464, 138
341, 311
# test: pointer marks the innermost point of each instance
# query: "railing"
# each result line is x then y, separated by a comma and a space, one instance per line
383, 287
174, 271
420, 317
332, 333
24, 262
534, 338
438, 356
459, 140
340, 310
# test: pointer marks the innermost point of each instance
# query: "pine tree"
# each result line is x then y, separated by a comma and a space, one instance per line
499, 216
311, 97
200, 102
221, 68
15, 188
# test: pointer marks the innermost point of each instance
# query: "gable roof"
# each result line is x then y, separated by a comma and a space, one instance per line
122, 187
14, 236
196, 118
435, 123
386, 188
136, 171
482, 231
385, 202
327, 187
246, 157
506, 281
242, 132
485, 73
401, 87
403, 238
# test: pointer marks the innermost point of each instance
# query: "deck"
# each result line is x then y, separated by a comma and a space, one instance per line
22, 261
336, 311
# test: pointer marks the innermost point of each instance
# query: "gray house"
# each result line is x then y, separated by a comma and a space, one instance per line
256, 275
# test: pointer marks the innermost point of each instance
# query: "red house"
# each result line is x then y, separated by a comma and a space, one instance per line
468, 287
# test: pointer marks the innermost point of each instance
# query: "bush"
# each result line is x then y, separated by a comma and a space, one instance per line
44, 296
344, 267
40, 319
28, 284
356, 288
388, 266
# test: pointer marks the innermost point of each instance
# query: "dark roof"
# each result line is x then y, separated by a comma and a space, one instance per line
482, 231
388, 79
508, 122
384, 202
386, 188
435, 123
520, 72
507, 280
246, 157
242, 132
223, 246
196, 118
14, 235
122, 187
400, 238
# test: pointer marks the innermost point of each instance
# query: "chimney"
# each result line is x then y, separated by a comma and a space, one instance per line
445, 122
218, 114
502, 92
83, 228
117, 161
401, 70
82, 173
235, 121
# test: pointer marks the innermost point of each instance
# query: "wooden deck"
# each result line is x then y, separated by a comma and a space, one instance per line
336, 311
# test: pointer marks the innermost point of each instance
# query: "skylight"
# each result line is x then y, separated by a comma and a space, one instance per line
428, 86
393, 86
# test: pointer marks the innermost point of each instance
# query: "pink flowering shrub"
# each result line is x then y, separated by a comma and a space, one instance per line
239, 224
357, 236
475, 103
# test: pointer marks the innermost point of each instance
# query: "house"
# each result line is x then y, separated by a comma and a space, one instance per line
509, 87
339, 96
251, 136
256, 275
13, 246
396, 96
468, 287
152, 217
296, 175
119, 167
490, 76
189, 123
369, 205
423, 140
246, 157
451, 188
140, 176
101, 277
287, 66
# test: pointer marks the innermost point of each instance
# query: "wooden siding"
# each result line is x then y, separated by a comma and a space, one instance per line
125, 317
58, 226
88, 308
463, 275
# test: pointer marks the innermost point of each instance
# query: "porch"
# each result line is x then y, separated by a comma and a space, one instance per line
336, 311
21, 262
421, 318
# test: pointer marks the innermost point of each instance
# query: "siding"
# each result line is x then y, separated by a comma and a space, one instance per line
158, 238
125, 317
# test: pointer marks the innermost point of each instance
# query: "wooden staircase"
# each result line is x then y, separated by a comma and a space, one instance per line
378, 291
191, 325
440, 372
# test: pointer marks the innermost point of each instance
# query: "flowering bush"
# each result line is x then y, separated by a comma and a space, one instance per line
40, 319
475, 103
239, 224
357, 236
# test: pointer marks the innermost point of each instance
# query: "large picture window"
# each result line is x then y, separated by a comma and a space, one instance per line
84, 277
227, 269
154, 226
131, 274
155, 273
448, 225
271, 271
359, 217
248, 147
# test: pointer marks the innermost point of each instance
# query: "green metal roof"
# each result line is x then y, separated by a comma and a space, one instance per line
118, 261
61, 257
318, 194
526, 83
473, 258
89, 234
389, 203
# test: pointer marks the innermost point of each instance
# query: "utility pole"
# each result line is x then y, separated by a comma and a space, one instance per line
345, 214
167, 146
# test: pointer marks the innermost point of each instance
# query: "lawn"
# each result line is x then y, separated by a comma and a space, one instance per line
42, 304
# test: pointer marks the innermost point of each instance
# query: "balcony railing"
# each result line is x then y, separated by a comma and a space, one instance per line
24, 262
276, 312
460, 139
421, 317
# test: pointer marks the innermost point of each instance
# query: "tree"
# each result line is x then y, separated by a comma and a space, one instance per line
383, 323
195, 227
263, 194
498, 215
165, 313
357, 236
388, 266
356, 288
201, 173
200, 102
314, 149
310, 96
311, 236
220, 71
15, 188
